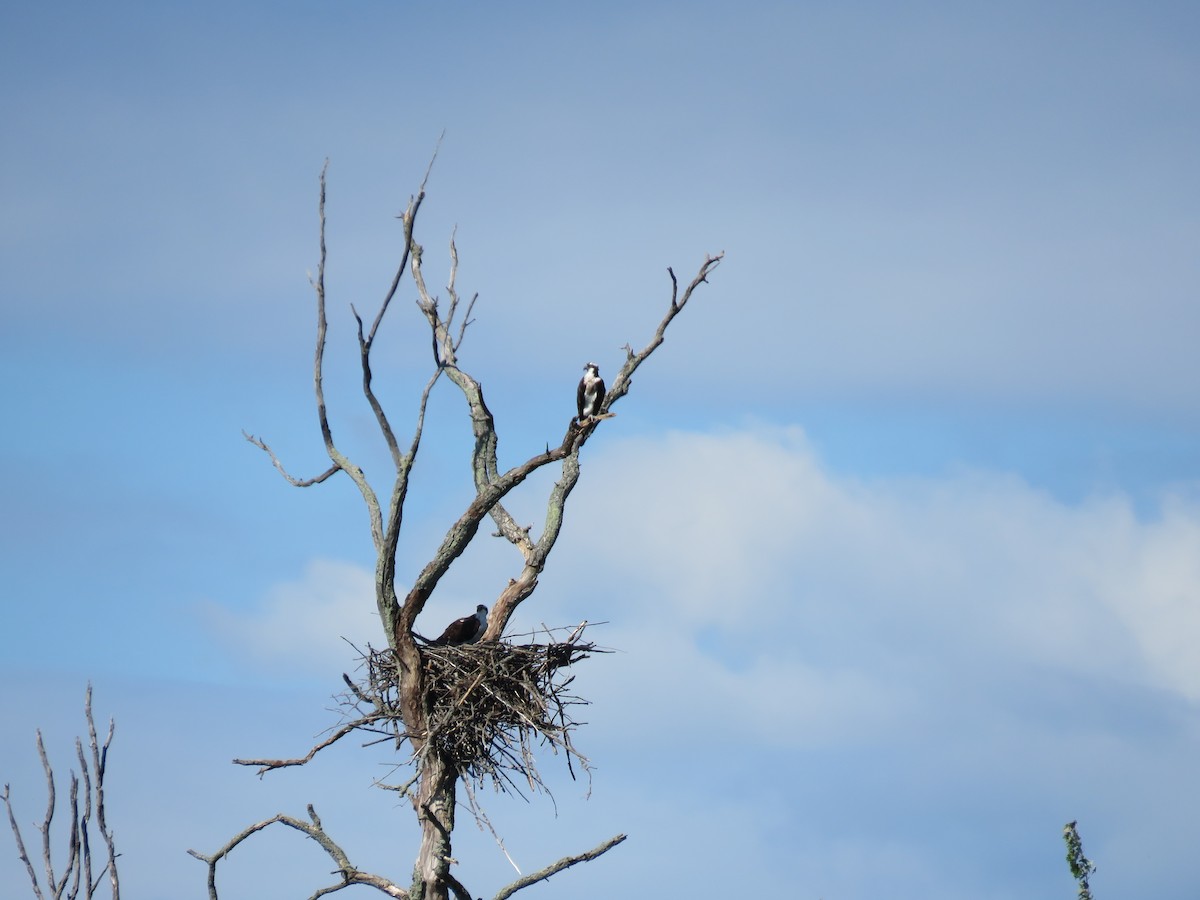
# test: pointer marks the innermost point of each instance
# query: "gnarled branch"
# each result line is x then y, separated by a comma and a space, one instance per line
313, 829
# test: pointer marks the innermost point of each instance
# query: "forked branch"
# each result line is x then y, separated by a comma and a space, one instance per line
365, 343
339, 460
313, 829
620, 385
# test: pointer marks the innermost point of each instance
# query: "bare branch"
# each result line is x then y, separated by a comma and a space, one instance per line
452, 278
99, 767
21, 852
366, 343
85, 819
385, 535
420, 426
335, 456
268, 765
467, 320
364, 352
621, 384
463, 530
386, 602
319, 357
409, 218
460, 892
50, 803
73, 856
565, 863
294, 482
313, 829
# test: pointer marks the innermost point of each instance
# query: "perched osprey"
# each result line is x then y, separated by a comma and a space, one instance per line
466, 630
591, 392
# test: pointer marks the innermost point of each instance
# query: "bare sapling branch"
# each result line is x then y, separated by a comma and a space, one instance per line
22, 853
99, 768
77, 871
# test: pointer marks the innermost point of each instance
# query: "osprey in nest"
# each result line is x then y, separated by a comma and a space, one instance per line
466, 630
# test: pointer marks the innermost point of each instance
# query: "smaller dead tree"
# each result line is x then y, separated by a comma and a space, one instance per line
76, 877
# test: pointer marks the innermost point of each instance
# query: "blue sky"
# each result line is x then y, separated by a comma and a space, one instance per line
897, 536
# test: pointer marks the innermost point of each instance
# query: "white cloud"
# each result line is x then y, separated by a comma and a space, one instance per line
742, 575
300, 625
1152, 580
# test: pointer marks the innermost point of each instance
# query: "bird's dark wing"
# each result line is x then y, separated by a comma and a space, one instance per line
458, 631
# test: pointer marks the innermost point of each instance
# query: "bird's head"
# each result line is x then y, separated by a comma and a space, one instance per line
481, 610
592, 367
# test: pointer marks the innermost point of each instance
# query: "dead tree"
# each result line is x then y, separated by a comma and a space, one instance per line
417, 694
76, 877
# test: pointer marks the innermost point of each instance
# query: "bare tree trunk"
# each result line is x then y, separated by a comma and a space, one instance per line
435, 796
435, 810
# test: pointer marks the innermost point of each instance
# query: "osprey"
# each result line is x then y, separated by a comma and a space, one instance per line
591, 392
466, 630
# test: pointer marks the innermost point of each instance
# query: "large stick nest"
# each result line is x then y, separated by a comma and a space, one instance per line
488, 705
